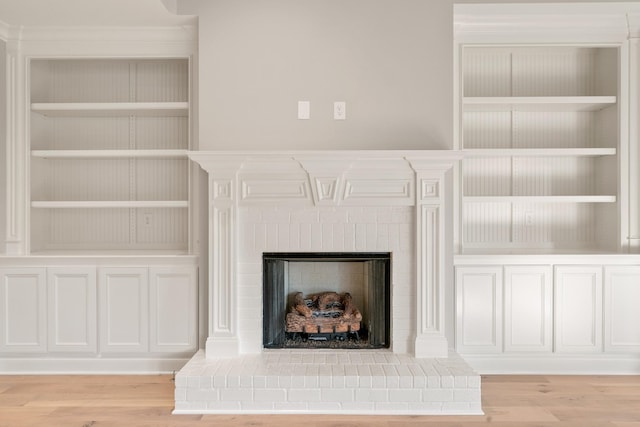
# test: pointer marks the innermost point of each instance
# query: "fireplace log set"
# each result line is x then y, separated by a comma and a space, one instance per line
322, 317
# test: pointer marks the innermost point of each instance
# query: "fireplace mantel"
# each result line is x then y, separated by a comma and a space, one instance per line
324, 178
329, 179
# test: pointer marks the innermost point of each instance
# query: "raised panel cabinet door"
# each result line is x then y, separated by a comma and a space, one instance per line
528, 315
173, 309
23, 310
578, 312
124, 309
621, 309
479, 309
72, 309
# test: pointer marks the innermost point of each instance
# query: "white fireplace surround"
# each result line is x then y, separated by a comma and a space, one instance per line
328, 201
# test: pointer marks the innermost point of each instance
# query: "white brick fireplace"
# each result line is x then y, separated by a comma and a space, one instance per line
328, 201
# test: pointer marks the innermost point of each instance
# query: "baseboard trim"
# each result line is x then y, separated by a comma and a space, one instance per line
597, 364
80, 366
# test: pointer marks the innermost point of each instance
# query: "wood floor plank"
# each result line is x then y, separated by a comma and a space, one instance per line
140, 401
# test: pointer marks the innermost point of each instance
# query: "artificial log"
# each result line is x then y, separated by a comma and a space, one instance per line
300, 306
350, 310
327, 299
330, 313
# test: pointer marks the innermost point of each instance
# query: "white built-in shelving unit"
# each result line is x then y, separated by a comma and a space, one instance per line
546, 264
540, 137
98, 264
109, 141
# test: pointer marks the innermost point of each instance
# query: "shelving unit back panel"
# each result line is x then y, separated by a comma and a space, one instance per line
86, 133
536, 176
59, 179
165, 133
161, 179
109, 133
519, 130
490, 130
86, 180
553, 226
161, 81
487, 177
109, 229
109, 80
79, 81
540, 71
487, 224
487, 72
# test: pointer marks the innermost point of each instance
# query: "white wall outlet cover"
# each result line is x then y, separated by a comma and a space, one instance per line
304, 110
339, 110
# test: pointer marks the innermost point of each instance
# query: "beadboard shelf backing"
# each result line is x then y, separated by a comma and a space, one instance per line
109, 141
131, 229
540, 137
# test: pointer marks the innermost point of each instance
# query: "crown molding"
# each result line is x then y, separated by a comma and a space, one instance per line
633, 20
117, 34
187, 33
568, 22
72, 41
5, 30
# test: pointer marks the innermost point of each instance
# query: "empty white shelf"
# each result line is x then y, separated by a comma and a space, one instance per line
110, 204
539, 199
106, 109
537, 103
540, 152
98, 154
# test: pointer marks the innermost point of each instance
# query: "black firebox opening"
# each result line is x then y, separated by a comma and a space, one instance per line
295, 317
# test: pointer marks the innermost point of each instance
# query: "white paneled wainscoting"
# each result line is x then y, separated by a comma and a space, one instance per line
562, 314
97, 314
393, 202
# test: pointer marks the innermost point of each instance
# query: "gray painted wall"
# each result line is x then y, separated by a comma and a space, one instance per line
390, 60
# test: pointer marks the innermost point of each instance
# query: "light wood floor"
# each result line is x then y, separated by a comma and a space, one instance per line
88, 401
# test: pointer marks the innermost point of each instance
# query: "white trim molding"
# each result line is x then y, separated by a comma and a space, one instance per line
5, 30
562, 22
553, 364
15, 139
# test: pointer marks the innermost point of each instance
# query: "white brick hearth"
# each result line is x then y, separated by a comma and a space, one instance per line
380, 201
325, 381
